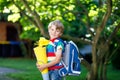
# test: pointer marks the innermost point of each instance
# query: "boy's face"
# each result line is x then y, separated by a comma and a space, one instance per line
53, 32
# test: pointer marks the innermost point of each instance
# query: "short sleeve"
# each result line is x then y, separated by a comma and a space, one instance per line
60, 45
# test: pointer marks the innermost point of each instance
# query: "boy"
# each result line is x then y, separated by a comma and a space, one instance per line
54, 50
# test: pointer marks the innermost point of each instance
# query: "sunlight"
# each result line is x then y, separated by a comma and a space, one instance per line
93, 13
6, 10
71, 7
14, 9
88, 35
14, 17
36, 29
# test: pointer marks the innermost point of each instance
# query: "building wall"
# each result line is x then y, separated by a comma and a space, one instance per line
9, 30
9, 40
2, 31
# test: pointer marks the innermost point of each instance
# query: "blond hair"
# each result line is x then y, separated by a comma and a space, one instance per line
58, 25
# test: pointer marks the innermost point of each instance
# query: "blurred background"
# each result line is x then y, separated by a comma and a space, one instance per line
92, 24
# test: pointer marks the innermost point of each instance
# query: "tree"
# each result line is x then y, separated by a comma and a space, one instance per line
94, 17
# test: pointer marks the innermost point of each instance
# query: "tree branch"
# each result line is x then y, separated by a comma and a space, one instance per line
104, 21
36, 18
29, 18
113, 33
85, 11
97, 36
76, 39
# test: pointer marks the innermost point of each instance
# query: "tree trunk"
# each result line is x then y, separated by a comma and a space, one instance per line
93, 73
104, 71
101, 70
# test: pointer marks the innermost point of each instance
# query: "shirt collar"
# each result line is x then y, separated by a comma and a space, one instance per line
52, 40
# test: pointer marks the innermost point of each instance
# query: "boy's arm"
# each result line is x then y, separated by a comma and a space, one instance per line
55, 61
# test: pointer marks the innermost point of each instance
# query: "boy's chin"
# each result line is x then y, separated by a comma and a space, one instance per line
53, 37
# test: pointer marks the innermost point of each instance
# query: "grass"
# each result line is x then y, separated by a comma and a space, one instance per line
27, 66
30, 72
112, 73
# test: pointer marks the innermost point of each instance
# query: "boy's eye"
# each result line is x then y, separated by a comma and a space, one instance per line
52, 29
58, 30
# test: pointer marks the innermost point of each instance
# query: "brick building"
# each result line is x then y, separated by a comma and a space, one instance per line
9, 39
10, 43
9, 31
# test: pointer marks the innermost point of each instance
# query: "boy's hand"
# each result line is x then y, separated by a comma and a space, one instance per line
40, 67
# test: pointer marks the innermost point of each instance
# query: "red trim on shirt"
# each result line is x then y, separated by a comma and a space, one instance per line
52, 40
55, 67
51, 54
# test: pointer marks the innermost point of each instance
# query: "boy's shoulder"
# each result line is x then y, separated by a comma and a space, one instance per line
59, 40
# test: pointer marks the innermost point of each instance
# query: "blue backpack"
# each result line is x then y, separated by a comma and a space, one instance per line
70, 60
